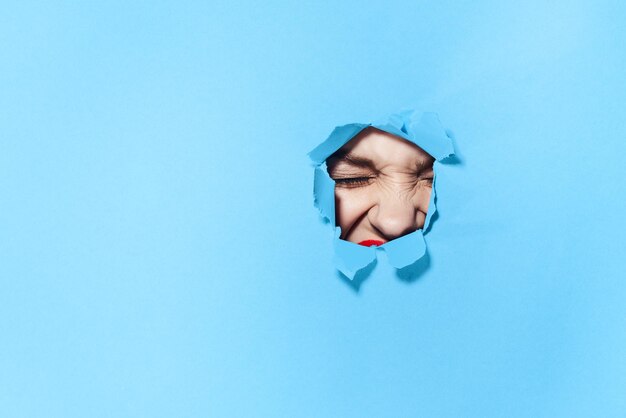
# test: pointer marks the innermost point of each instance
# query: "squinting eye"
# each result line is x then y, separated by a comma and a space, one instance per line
353, 181
427, 180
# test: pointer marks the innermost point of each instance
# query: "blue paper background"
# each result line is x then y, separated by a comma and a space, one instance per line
161, 256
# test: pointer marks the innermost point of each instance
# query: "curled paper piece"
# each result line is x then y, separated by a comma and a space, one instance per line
421, 128
324, 194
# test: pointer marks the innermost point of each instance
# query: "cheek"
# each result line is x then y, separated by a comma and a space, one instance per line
423, 199
351, 205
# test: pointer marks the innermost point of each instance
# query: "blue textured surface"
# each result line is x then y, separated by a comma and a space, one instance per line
160, 255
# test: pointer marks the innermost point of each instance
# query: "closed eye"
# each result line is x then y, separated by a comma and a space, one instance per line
350, 182
427, 180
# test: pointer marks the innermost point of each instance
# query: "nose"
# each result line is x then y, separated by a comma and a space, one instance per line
394, 216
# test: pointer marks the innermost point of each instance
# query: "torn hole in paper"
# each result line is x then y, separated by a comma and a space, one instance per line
374, 183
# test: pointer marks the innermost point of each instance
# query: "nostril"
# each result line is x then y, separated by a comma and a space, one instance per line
392, 231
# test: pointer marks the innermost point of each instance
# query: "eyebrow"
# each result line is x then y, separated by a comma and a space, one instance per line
425, 165
363, 162
354, 160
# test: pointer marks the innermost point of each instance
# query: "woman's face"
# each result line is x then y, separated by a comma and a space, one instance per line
382, 187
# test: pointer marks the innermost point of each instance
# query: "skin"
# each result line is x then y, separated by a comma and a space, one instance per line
382, 186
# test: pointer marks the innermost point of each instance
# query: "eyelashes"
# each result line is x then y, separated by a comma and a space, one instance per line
362, 181
352, 182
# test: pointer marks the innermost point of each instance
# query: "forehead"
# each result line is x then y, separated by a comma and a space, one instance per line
384, 148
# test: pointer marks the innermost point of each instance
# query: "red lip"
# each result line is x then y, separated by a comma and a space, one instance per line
371, 243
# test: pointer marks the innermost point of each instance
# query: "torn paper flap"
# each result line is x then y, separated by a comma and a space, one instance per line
324, 194
350, 258
405, 250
